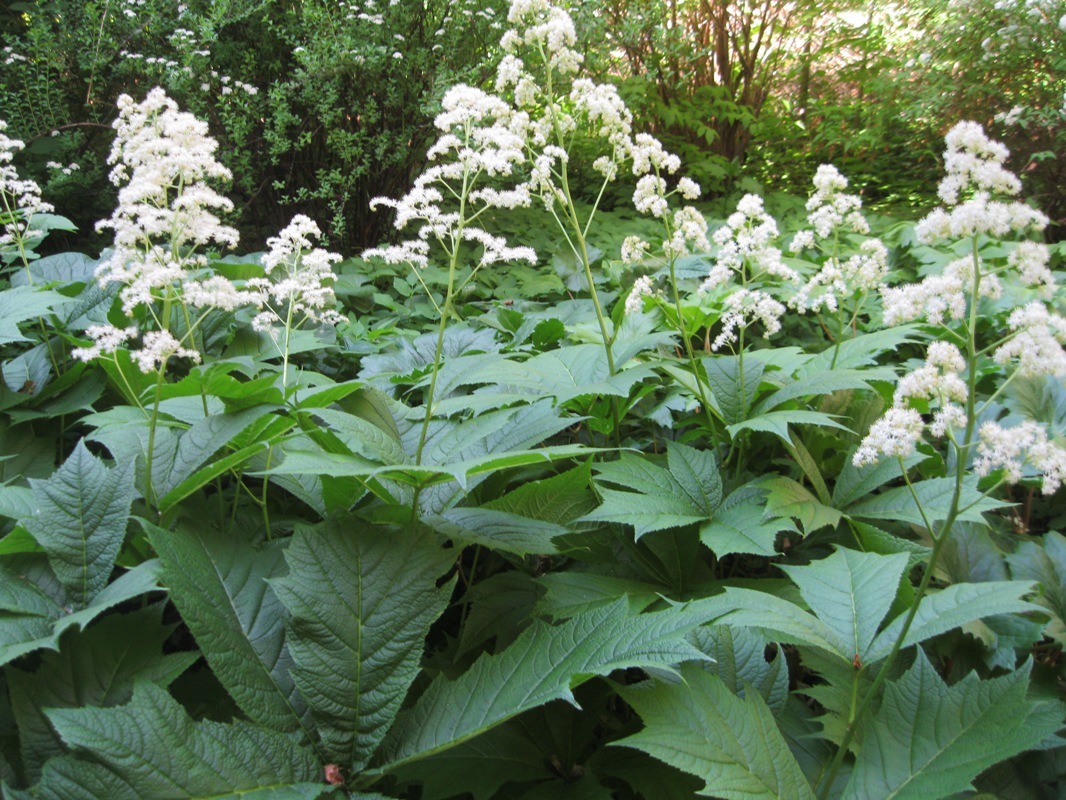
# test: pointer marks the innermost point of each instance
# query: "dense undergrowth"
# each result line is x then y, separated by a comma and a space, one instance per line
750, 501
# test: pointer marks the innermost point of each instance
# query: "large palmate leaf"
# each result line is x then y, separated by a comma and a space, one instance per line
543, 664
95, 667
362, 601
733, 744
220, 585
929, 740
150, 748
80, 521
685, 492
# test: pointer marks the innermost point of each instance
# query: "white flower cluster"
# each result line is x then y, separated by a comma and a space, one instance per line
1011, 449
937, 382
975, 177
744, 307
297, 289
642, 288
19, 199
163, 161
480, 135
539, 24
1036, 342
745, 240
936, 297
862, 272
830, 209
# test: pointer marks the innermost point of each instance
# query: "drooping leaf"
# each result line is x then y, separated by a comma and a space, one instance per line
220, 585
543, 664
80, 520
930, 740
153, 749
362, 601
733, 744
851, 592
96, 667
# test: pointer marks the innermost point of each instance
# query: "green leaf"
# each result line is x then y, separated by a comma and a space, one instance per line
851, 592
929, 740
543, 664
822, 383
733, 744
156, 750
787, 498
96, 667
560, 499
934, 495
741, 524
196, 445
23, 303
777, 422
686, 492
740, 660
362, 601
733, 395
953, 607
779, 619
219, 583
497, 530
572, 593
42, 619
1045, 562
854, 483
80, 521
565, 374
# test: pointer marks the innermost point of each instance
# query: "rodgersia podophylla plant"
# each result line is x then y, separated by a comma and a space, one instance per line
967, 368
167, 218
297, 288
848, 274
481, 142
20, 200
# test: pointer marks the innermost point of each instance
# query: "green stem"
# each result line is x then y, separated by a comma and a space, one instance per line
692, 356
